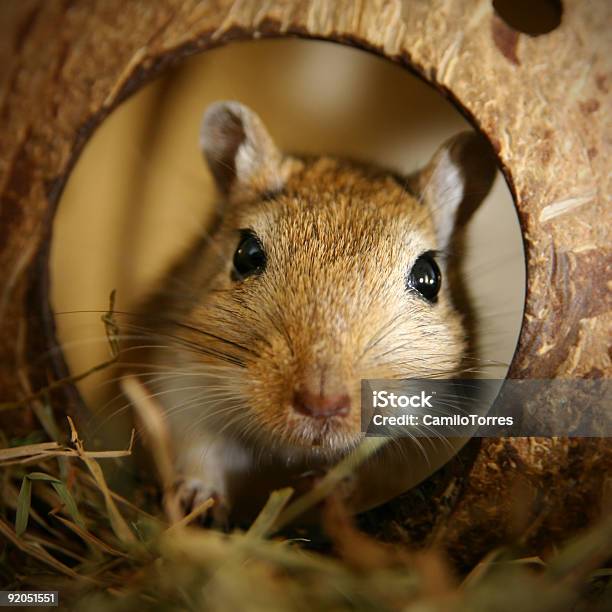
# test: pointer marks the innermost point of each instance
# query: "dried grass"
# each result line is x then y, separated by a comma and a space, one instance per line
105, 553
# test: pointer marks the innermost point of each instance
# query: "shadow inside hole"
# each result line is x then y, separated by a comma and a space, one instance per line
533, 17
140, 193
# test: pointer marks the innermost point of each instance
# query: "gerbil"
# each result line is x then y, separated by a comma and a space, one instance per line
317, 273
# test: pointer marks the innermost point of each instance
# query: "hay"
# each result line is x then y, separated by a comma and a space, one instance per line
73, 534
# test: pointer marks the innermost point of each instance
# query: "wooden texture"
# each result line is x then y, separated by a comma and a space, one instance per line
543, 102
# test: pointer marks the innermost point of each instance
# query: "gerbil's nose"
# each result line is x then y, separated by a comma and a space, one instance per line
320, 406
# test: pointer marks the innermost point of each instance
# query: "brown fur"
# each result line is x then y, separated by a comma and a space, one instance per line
330, 309
340, 242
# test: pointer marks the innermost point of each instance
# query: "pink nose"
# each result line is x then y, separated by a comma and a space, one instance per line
321, 406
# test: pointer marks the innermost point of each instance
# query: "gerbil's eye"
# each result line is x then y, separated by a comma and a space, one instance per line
425, 277
249, 257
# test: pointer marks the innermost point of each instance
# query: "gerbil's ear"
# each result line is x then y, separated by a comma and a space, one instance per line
456, 181
240, 153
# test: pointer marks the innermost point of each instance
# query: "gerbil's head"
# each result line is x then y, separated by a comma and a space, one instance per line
320, 273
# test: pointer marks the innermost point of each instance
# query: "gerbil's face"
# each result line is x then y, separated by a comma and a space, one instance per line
329, 281
322, 273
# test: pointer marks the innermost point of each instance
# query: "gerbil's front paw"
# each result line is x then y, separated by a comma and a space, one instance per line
193, 492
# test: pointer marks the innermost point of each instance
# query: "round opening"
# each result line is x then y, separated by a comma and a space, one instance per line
141, 194
529, 16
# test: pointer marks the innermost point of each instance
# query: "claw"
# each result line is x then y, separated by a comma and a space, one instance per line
192, 492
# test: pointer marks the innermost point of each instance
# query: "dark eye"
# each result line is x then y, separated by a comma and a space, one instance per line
425, 277
249, 257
